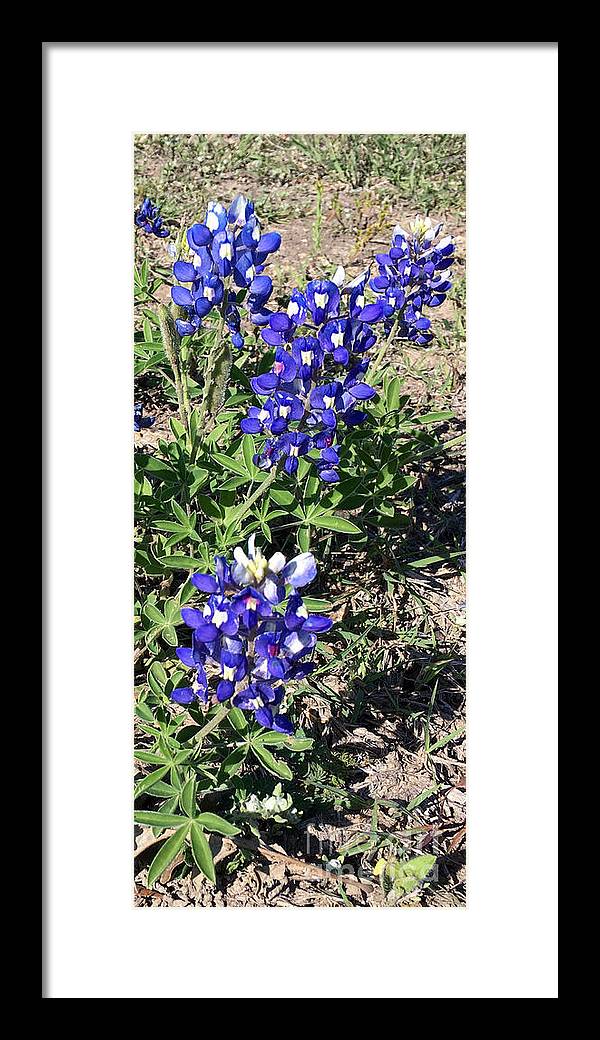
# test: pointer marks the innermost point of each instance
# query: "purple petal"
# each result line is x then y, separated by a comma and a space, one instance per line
300, 571
205, 582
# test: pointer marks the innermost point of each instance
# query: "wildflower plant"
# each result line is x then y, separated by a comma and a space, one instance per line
290, 435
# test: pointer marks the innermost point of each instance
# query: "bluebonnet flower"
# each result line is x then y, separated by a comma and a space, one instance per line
323, 299
241, 634
147, 217
234, 668
298, 409
258, 420
267, 244
193, 657
287, 408
269, 455
283, 370
410, 277
227, 249
327, 463
251, 606
223, 252
261, 698
297, 307
279, 330
297, 616
141, 421
271, 576
234, 324
240, 212
218, 617
260, 290
293, 445
308, 355
216, 216
335, 339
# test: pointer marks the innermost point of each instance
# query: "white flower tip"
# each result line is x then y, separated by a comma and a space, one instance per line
277, 562
240, 556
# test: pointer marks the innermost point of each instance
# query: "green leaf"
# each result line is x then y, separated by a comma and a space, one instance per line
177, 427
281, 498
274, 765
167, 853
303, 537
237, 719
158, 819
153, 614
188, 797
428, 560
170, 636
233, 763
150, 779
201, 852
422, 797
272, 739
209, 507
150, 757
179, 563
150, 464
228, 463
331, 522
299, 743
446, 740
162, 790
211, 822
406, 876
143, 711
171, 612
434, 417
318, 605
170, 526
158, 672
392, 394
248, 451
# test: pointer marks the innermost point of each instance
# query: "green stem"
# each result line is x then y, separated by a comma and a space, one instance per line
214, 722
170, 339
216, 374
378, 359
262, 487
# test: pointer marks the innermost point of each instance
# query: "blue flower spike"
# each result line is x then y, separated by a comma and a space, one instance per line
318, 383
254, 648
147, 217
227, 252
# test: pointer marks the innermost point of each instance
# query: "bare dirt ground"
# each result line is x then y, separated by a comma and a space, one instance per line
402, 739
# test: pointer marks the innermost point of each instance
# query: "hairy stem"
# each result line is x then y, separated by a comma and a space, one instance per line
170, 339
262, 487
214, 722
